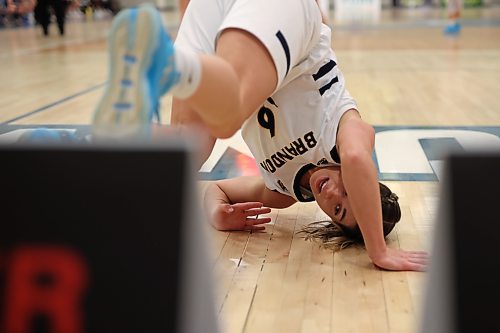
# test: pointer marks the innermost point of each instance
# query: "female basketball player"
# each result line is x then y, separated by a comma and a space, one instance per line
266, 67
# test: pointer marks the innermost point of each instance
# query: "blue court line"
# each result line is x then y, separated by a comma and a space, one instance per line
48, 106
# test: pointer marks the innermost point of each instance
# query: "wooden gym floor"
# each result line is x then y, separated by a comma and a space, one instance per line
403, 72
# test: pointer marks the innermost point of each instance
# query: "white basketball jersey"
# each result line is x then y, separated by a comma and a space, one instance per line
296, 127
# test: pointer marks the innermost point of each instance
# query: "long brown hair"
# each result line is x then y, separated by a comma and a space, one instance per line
337, 237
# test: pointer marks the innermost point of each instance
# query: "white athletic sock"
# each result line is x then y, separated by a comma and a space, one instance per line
189, 66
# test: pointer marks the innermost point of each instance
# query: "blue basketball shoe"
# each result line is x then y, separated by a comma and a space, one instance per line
142, 69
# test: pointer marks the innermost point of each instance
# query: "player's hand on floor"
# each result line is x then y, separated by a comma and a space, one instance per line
241, 216
401, 260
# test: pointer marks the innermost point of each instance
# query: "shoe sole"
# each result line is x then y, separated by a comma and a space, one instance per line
125, 107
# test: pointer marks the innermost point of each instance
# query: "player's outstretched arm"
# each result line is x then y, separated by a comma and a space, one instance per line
236, 203
355, 141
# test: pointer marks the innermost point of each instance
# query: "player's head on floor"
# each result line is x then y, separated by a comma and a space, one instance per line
342, 230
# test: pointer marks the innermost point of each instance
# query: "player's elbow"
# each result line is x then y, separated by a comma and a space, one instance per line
352, 157
356, 155
354, 150
369, 136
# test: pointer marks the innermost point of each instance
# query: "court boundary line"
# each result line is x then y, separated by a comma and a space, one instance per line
51, 105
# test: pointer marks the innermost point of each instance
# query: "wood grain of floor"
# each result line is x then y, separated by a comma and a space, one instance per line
402, 71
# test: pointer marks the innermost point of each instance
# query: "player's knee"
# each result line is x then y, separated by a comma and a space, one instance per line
225, 131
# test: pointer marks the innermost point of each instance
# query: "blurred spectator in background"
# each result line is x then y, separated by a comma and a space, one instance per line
43, 14
16, 12
99, 9
454, 8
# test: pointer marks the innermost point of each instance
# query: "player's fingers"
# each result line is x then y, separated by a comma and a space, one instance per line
257, 211
416, 267
254, 228
247, 205
418, 260
418, 253
418, 256
258, 221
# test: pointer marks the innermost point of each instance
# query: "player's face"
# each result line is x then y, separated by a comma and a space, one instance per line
328, 190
